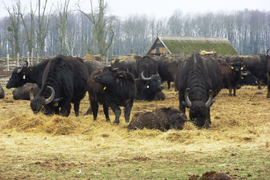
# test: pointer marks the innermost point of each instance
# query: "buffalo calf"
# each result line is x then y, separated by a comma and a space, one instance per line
162, 119
23, 92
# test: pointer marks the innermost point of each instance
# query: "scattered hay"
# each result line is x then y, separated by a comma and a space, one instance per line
235, 121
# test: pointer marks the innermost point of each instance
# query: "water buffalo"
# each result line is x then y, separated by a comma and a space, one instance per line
147, 88
27, 74
232, 74
162, 119
147, 66
256, 64
64, 81
167, 67
127, 62
23, 92
248, 79
198, 81
112, 88
2, 92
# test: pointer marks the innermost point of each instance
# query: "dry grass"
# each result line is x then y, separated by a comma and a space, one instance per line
242, 121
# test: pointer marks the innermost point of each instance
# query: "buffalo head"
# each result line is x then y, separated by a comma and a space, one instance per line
18, 76
39, 102
237, 66
199, 110
154, 82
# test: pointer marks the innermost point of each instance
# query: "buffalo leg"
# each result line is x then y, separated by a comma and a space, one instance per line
234, 91
106, 112
94, 106
76, 108
116, 110
169, 84
208, 119
127, 111
230, 91
182, 108
65, 109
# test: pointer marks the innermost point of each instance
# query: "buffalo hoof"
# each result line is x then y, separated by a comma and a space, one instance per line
108, 120
116, 122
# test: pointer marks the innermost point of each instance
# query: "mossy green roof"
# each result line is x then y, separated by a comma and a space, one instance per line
184, 45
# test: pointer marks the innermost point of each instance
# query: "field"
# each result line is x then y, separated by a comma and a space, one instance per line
55, 147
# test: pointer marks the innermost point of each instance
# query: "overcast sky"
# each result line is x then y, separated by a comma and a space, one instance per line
155, 8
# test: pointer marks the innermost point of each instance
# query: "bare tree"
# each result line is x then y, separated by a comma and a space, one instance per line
102, 33
29, 28
43, 23
13, 29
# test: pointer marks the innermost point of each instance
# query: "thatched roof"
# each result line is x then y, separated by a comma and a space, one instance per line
184, 45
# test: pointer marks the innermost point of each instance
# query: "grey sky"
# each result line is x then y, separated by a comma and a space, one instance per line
156, 8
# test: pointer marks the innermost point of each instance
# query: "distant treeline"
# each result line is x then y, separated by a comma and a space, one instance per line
247, 30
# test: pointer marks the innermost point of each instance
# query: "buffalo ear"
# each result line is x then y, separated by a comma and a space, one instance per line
121, 75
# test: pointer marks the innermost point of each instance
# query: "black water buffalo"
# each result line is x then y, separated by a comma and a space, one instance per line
256, 64
162, 119
27, 74
147, 88
147, 66
2, 92
232, 74
198, 81
63, 81
248, 79
23, 92
127, 62
167, 67
112, 88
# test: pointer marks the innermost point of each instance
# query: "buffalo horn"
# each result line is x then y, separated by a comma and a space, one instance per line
31, 94
210, 99
244, 73
144, 78
188, 102
50, 99
19, 70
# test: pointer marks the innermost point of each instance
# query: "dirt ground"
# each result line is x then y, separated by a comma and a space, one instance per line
237, 122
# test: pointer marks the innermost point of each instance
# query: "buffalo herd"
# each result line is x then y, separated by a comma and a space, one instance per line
53, 84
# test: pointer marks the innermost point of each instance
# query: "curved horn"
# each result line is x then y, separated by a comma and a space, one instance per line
22, 66
244, 73
50, 99
114, 69
188, 102
31, 94
210, 99
144, 78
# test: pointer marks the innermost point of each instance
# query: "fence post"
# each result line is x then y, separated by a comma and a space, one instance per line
32, 56
8, 62
28, 54
18, 58
37, 57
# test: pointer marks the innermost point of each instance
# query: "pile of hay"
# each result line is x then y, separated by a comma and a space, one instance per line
236, 121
